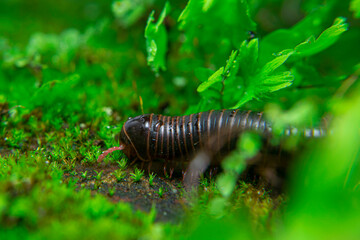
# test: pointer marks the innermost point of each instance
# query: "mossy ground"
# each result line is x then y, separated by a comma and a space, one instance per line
141, 195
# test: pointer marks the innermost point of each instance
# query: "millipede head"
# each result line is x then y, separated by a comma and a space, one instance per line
131, 134
134, 135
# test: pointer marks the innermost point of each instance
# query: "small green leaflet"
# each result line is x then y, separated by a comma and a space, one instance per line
232, 65
216, 77
248, 57
156, 40
220, 75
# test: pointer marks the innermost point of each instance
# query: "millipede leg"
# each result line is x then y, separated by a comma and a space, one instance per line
213, 172
196, 167
171, 172
165, 172
183, 173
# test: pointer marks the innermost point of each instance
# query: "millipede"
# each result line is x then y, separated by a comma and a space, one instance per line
154, 136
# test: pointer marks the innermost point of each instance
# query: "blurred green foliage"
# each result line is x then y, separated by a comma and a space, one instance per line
156, 40
71, 72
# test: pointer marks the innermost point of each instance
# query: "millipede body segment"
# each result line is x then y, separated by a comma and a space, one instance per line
154, 136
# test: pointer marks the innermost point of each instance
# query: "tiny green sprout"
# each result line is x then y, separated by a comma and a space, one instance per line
85, 133
98, 175
73, 154
204, 181
119, 174
56, 122
151, 179
137, 175
97, 184
111, 191
16, 137
161, 192
75, 131
50, 137
69, 164
122, 163
84, 174
89, 157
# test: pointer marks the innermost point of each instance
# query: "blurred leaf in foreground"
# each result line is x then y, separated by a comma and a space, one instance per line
355, 7
326, 194
247, 147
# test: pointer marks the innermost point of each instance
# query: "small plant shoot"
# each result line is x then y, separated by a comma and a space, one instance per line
137, 175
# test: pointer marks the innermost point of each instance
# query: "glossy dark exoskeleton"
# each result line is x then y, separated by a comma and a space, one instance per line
152, 136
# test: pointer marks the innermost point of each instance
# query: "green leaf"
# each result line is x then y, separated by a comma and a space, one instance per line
246, 97
156, 40
231, 64
355, 7
274, 64
216, 77
248, 57
276, 82
326, 39
152, 51
184, 15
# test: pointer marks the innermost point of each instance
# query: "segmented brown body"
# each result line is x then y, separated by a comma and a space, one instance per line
153, 136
